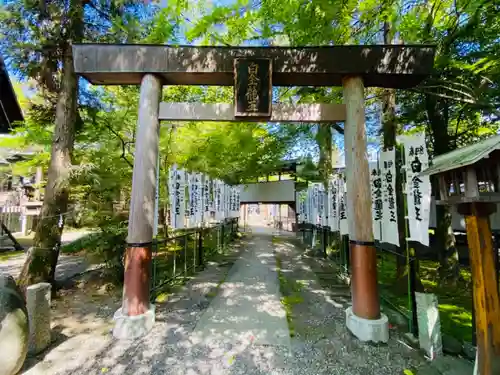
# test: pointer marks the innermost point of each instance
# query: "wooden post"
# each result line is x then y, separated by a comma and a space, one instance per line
485, 285
365, 299
142, 202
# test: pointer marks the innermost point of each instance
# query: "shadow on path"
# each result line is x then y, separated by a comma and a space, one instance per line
232, 321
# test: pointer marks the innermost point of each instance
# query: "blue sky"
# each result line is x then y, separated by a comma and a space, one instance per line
337, 138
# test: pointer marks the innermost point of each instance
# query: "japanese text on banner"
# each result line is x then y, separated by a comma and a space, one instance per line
418, 188
177, 197
344, 228
377, 200
387, 165
333, 215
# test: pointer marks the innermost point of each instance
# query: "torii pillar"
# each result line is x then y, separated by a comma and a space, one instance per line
137, 315
380, 66
363, 319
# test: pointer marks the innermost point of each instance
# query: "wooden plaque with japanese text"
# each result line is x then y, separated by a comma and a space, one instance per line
252, 87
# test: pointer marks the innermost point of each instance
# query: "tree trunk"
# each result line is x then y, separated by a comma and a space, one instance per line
449, 272
389, 132
42, 257
324, 141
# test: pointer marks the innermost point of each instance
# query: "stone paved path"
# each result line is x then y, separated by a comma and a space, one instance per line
229, 320
248, 304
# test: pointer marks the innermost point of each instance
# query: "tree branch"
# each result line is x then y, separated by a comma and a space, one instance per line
338, 128
123, 142
459, 120
98, 10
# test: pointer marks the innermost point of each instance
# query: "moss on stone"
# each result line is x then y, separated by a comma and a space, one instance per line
290, 291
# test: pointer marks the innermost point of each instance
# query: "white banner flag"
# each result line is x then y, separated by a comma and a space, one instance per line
191, 200
238, 200
218, 198
377, 200
315, 204
226, 200
227, 195
177, 197
418, 188
307, 206
333, 203
344, 227
211, 198
207, 198
171, 195
198, 206
236, 206
387, 165
300, 204
232, 202
321, 204
227, 192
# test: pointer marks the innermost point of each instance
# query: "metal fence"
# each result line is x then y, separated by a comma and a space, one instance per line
182, 254
334, 246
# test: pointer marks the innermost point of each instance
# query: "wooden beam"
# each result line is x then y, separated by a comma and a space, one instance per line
142, 201
485, 285
365, 300
443, 187
471, 187
497, 178
225, 112
391, 66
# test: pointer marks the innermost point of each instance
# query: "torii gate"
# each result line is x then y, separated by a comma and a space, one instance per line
352, 67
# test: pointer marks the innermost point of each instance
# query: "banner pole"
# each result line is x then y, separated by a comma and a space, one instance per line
412, 319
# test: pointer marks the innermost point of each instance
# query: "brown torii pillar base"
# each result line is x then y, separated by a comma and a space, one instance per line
363, 319
485, 285
137, 315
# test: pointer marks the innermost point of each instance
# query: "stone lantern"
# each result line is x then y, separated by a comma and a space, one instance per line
470, 179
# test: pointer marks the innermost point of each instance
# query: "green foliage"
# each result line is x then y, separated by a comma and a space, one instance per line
455, 304
110, 246
457, 105
291, 292
81, 244
459, 102
105, 246
461, 96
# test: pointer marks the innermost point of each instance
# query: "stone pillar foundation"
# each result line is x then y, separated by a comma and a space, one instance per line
374, 330
131, 327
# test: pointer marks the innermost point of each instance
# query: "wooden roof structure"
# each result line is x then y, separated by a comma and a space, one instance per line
10, 111
464, 156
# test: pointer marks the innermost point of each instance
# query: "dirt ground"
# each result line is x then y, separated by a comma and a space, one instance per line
82, 308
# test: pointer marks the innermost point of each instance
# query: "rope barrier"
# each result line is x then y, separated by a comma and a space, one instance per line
57, 215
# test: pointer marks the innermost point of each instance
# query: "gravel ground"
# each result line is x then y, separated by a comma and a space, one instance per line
320, 344
67, 266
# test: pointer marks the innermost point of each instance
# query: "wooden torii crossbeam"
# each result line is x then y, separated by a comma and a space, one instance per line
318, 113
352, 67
